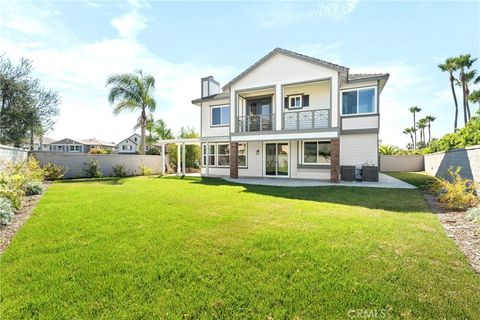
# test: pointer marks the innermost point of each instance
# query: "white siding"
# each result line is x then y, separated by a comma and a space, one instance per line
207, 129
351, 123
357, 149
319, 93
354, 85
281, 69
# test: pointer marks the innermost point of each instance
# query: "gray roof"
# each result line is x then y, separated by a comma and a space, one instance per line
218, 96
367, 76
97, 142
291, 54
45, 140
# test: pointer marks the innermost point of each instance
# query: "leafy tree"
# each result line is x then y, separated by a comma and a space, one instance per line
410, 131
414, 110
429, 120
450, 66
133, 92
463, 63
26, 108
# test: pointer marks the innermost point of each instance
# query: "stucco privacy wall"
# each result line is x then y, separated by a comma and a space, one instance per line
76, 162
468, 159
11, 154
401, 163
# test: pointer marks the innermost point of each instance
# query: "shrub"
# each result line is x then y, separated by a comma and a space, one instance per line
474, 215
93, 169
99, 151
455, 193
53, 171
12, 188
32, 170
153, 151
145, 171
33, 188
6, 211
120, 170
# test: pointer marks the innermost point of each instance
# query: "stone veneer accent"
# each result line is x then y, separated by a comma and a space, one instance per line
234, 160
335, 160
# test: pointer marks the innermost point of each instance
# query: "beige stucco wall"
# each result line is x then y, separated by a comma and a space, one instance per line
401, 163
352, 123
319, 94
206, 129
76, 162
468, 159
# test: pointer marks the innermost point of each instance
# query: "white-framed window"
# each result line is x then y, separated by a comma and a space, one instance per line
124, 147
130, 147
211, 154
77, 148
220, 155
223, 154
220, 115
315, 152
295, 101
359, 101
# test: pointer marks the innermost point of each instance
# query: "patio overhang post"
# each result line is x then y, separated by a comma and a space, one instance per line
178, 159
183, 159
207, 159
163, 159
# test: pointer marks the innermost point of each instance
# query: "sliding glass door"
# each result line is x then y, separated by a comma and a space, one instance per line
276, 159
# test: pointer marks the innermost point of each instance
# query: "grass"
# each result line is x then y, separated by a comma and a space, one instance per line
418, 179
200, 249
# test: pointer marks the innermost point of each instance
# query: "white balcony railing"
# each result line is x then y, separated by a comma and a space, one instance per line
257, 122
304, 120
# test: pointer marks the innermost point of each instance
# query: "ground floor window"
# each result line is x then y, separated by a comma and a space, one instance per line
221, 153
316, 152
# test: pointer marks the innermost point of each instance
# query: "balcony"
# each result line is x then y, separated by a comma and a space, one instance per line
305, 120
260, 122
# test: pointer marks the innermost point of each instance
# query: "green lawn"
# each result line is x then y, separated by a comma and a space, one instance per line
418, 179
167, 248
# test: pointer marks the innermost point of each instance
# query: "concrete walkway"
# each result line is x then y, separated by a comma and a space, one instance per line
385, 181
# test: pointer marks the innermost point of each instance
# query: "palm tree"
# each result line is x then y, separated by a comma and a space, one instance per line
474, 97
429, 120
162, 131
410, 131
464, 63
149, 126
133, 92
414, 110
388, 150
450, 67
421, 125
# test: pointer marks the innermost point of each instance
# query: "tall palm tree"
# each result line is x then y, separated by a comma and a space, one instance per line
421, 125
133, 92
450, 66
464, 63
410, 132
162, 131
429, 120
149, 126
474, 97
415, 110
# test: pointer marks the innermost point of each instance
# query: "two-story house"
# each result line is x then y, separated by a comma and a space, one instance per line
292, 116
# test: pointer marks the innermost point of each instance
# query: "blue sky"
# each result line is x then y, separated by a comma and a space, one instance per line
75, 45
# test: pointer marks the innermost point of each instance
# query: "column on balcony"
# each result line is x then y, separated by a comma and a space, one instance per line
278, 107
234, 160
334, 159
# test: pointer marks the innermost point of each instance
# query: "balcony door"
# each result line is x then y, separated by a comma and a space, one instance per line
259, 114
276, 159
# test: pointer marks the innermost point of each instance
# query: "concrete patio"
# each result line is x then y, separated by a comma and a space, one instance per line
385, 181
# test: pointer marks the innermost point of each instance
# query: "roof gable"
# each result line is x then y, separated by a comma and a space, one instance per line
289, 53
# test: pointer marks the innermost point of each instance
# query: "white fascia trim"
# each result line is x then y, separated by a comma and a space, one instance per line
288, 136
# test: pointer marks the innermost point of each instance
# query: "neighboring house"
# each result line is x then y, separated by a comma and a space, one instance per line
131, 145
80, 146
45, 146
290, 115
91, 143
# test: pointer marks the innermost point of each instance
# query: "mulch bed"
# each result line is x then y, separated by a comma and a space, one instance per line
463, 231
7, 232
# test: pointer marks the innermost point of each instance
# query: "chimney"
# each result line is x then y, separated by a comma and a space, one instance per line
209, 86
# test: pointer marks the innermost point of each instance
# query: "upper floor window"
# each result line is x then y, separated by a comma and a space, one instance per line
220, 115
359, 101
296, 101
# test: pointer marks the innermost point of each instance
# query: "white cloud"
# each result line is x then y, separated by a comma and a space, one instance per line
130, 24
289, 13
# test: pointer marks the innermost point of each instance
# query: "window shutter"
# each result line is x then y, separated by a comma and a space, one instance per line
286, 102
305, 100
